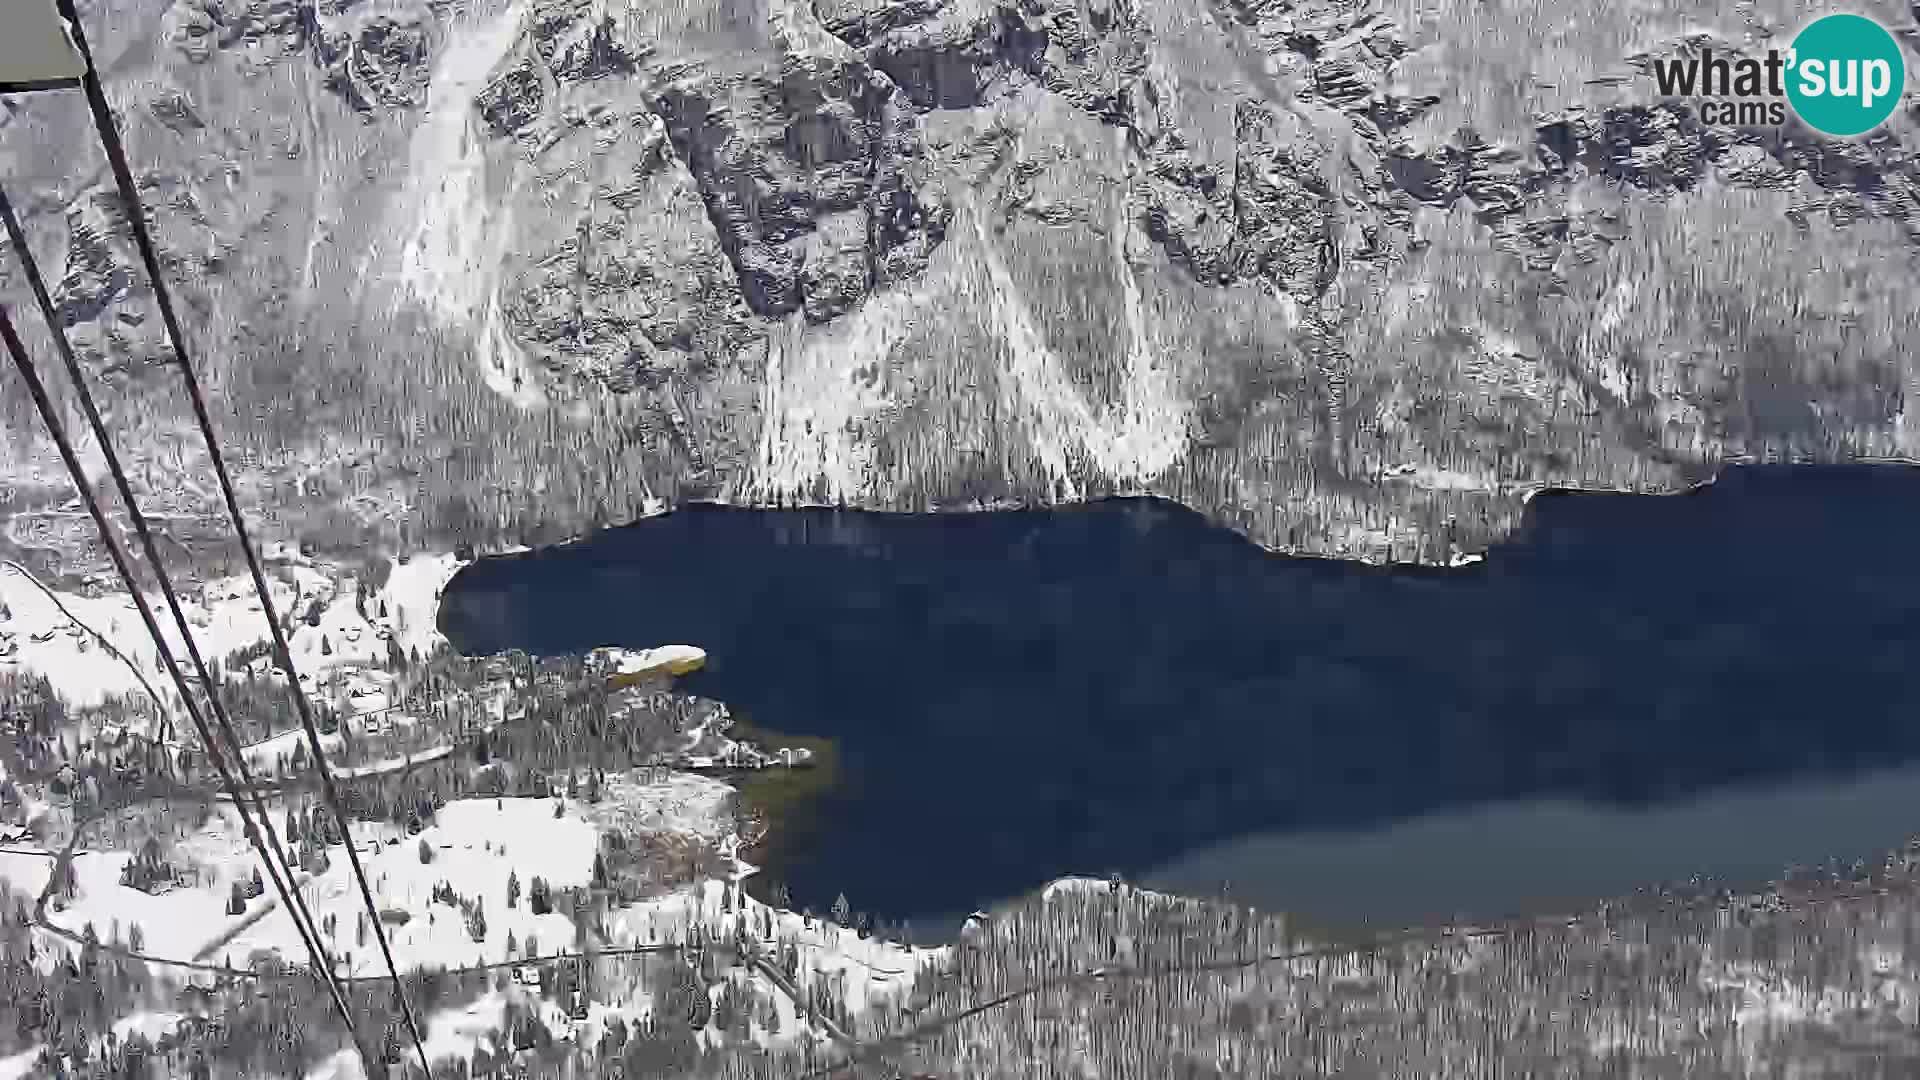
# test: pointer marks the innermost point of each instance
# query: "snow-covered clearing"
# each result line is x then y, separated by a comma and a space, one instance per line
17, 813
413, 594
152, 1025
20, 1065
25, 874
39, 638
175, 923
342, 1065
475, 844
343, 639
458, 1032
226, 617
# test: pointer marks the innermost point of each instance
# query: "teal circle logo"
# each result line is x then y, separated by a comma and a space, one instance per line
1845, 75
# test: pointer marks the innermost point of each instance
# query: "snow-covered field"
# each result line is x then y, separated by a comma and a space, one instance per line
476, 844
25, 874
458, 1032
226, 617
18, 1066
859, 971
150, 1024
175, 923
37, 638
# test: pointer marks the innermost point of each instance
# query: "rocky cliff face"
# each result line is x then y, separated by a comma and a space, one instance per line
530, 266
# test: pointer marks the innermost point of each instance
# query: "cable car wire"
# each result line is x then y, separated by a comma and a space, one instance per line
49, 413
143, 240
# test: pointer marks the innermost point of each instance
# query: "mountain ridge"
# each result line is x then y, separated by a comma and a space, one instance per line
525, 268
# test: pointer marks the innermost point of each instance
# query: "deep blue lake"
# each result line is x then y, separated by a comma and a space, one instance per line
1634, 689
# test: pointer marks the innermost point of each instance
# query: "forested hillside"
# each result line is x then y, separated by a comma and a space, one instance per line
503, 271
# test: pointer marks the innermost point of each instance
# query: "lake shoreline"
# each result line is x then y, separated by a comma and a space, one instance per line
776, 798
1120, 686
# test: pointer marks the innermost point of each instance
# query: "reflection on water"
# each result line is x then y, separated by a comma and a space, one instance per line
1124, 687
1534, 857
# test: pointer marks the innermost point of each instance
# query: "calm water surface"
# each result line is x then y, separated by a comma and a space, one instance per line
1635, 689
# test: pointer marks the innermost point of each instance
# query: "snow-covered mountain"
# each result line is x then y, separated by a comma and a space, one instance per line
1337, 274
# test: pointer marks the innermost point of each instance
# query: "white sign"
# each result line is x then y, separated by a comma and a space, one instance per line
34, 46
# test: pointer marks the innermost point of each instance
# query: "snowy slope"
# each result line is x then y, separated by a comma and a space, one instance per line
18, 1066
226, 617
476, 843
39, 638
175, 923
475, 846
